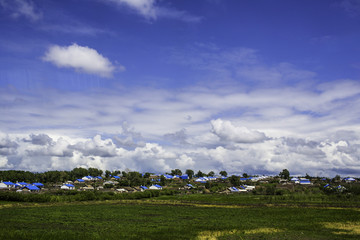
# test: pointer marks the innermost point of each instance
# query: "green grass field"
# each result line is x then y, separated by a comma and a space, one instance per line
180, 217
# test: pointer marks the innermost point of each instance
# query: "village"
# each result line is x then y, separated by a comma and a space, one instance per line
131, 182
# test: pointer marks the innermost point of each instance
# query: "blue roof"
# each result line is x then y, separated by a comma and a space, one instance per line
116, 177
9, 183
189, 185
143, 187
23, 183
69, 185
157, 185
184, 176
327, 185
31, 187
80, 180
98, 177
38, 184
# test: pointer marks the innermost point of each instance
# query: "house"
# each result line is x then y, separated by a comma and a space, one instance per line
184, 177
130, 189
295, 180
87, 178
39, 185
340, 188
31, 188
79, 180
22, 184
109, 183
143, 188
168, 177
242, 189
98, 178
212, 178
304, 181
67, 187
155, 187
202, 180
249, 188
8, 185
88, 187
349, 180
121, 190
233, 189
115, 178
189, 186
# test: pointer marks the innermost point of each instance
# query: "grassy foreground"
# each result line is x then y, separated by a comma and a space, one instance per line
176, 217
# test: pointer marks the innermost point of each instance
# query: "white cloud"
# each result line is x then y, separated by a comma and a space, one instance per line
185, 162
151, 10
81, 58
25, 8
228, 132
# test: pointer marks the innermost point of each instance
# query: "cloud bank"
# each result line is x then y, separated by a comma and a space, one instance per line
306, 130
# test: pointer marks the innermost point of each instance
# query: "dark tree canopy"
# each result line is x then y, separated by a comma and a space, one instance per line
190, 173
284, 174
223, 173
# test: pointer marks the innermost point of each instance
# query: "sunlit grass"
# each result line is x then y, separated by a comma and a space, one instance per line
177, 219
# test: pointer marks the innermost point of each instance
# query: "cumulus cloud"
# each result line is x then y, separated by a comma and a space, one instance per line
151, 10
300, 156
306, 130
82, 59
4, 163
225, 130
185, 162
7, 146
96, 147
19, 8
178, 137
40, 139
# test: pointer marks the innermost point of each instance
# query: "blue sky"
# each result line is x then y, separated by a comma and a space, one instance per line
150, 85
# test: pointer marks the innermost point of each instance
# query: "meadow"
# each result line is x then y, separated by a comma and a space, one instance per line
196, 216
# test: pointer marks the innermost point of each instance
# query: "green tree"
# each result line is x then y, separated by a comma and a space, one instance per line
245, 175
234, 180
95, 172
200, 174
146, 175
79, 172
211, 174
190, 173
223, 173
107, 173
176, 172
284, 174
162, 180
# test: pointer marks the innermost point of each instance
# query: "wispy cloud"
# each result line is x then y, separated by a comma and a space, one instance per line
81, 58
151, 10
22, 8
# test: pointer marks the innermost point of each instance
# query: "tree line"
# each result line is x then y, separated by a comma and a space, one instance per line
129, 178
